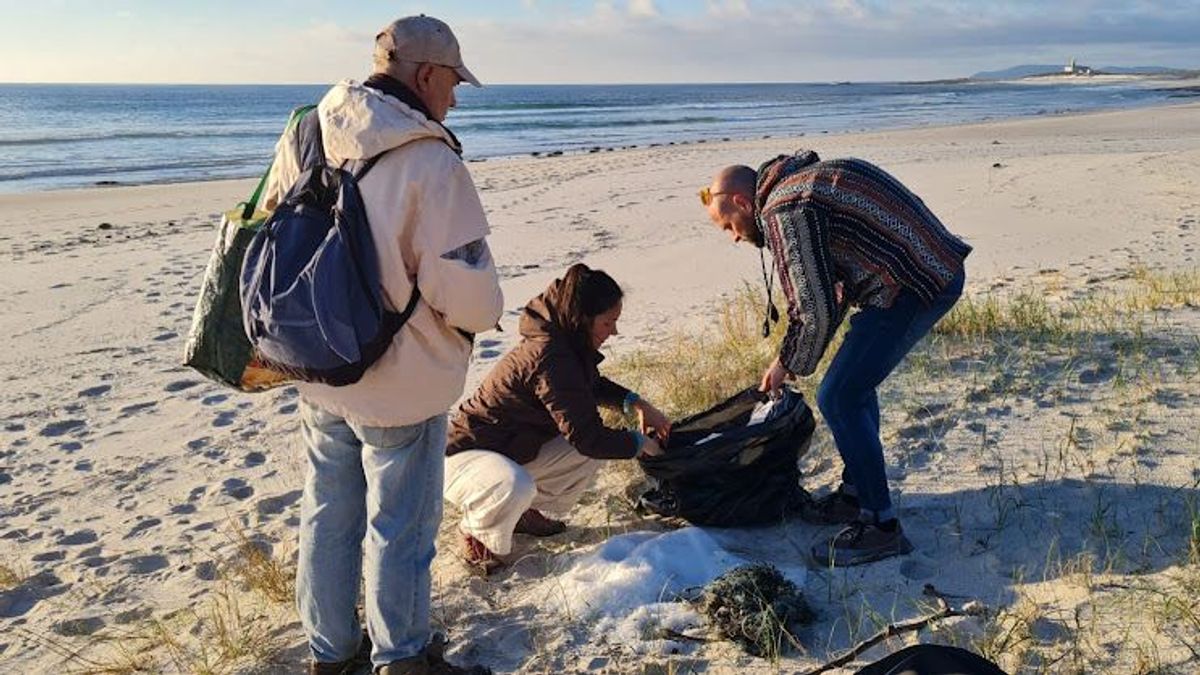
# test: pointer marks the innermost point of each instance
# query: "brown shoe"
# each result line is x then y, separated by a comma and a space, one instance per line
431, 661
835, 508
478, 557
862, 543
361, 659
536, 524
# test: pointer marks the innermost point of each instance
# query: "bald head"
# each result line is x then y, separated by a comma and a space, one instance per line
737, 179
730, 203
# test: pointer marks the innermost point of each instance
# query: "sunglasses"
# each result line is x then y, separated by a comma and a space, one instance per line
706, 195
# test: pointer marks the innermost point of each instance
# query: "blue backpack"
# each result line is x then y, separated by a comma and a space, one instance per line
312, 304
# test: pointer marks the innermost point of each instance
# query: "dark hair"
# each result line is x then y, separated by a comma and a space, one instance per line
585, 294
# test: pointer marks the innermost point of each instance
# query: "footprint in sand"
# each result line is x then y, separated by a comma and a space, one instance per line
70, 446
142, 526
198, 443
224, 419
254, 459
50, 556
81, 627
95, 561
214, 399
489, 354
133, 615
163, 337
98, 390
1096, 375
272, 506
1049, 631
55, 429
19, 600
143, 564
206, 570
236, 488
78, 538
131, 410
180, 385
288, 409
1170, 398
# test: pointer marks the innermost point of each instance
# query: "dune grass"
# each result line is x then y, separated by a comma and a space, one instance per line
235, 628
10, 576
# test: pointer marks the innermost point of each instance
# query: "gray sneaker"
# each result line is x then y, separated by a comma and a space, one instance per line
861, 543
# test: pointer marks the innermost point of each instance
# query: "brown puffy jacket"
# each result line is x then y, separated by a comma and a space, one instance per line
544, 387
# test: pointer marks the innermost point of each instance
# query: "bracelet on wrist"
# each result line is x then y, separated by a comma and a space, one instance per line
630, 400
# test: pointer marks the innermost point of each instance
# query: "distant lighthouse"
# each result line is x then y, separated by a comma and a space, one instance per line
1072, 69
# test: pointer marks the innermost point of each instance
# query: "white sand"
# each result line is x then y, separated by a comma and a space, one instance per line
124, 476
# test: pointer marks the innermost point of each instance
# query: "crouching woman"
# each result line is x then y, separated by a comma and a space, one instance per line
531, 439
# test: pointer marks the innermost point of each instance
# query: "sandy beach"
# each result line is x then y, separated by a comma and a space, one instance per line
1055, 488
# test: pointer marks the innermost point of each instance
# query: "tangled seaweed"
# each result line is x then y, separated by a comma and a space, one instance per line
756, 607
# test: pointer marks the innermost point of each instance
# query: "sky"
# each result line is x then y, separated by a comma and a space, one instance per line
589, 41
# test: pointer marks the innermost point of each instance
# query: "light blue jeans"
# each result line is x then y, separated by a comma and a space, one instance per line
371, 508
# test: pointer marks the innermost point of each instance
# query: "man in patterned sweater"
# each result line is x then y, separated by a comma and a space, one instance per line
844, 233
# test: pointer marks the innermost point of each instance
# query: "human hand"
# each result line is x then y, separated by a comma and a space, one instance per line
652, 422
650, 448
772, 379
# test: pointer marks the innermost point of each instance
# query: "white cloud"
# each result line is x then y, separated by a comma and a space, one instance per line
728, 8
642, 8
334, 34
653, 41
821, 40
849, 8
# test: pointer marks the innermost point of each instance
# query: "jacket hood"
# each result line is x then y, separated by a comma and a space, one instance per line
542, 320
358, 122
770, 173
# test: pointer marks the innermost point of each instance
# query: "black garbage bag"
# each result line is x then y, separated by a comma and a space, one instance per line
720, 470
927, 659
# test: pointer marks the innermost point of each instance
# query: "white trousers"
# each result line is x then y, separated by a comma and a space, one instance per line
492, 491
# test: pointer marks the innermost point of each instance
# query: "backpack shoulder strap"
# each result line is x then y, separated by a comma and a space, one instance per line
360, 168
309, 149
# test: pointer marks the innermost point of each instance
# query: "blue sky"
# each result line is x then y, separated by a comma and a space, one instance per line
537, 41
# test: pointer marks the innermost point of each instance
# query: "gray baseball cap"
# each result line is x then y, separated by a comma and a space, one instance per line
422, 39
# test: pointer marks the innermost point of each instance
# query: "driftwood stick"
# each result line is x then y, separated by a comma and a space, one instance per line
891, 630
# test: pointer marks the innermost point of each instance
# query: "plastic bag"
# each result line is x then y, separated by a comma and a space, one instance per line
718, 469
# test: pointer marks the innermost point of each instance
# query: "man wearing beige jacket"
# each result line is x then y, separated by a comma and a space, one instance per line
373, 493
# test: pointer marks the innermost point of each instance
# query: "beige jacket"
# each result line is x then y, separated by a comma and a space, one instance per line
422, 205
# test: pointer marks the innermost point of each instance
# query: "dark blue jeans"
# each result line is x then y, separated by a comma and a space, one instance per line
877, 341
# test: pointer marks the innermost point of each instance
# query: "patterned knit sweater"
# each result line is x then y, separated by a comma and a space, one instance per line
846, 221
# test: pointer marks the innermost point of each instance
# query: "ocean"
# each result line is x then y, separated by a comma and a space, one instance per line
61, 136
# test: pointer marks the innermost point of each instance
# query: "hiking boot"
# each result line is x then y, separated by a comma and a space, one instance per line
431, 661
536, 524
835, 508
361, 659
862, 543
477, 556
